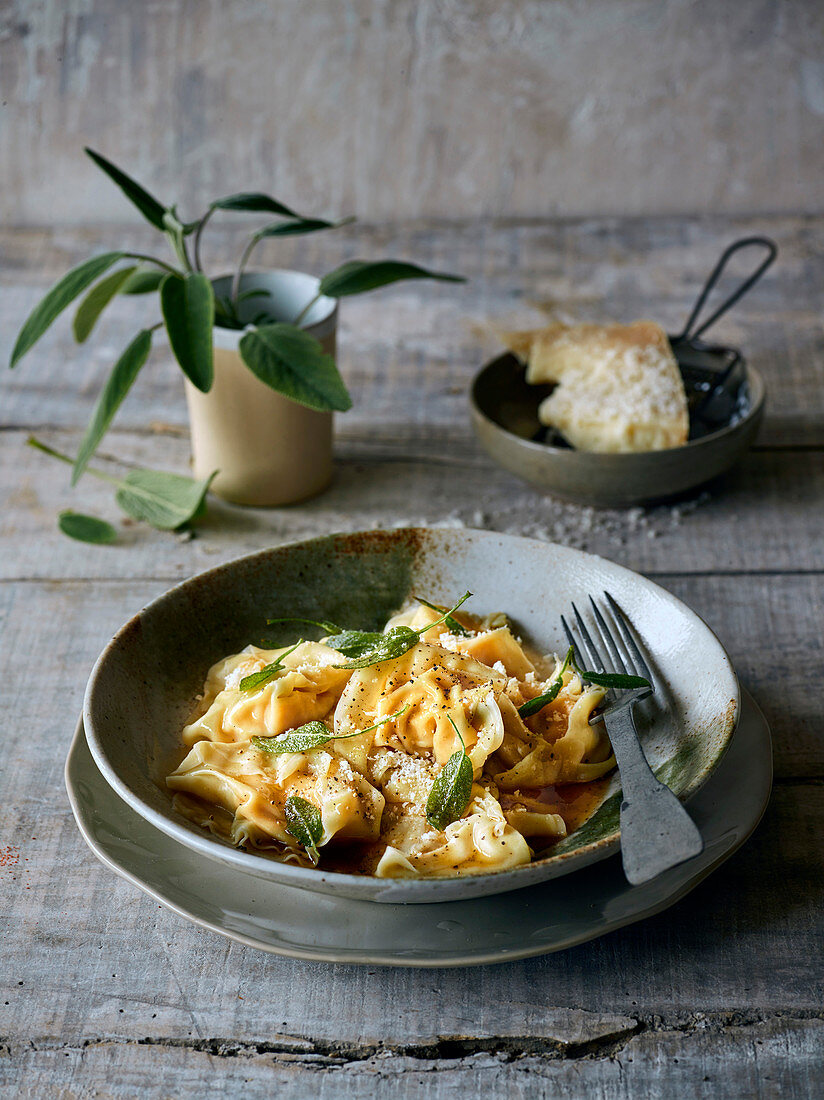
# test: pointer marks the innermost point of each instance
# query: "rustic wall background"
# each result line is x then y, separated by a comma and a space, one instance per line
394, 109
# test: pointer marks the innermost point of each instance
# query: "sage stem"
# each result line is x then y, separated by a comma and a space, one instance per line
198, 233
151, 260
244, 259
306, 309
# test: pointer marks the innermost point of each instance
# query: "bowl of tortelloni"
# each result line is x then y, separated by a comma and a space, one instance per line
393, 716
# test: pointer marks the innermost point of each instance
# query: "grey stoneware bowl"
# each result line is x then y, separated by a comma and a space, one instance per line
144, 684
505, 417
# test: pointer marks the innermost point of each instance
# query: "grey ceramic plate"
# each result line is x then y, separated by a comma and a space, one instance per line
145, 681
544, 918
505, 418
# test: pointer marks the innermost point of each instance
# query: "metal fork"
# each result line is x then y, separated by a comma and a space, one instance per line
656, 831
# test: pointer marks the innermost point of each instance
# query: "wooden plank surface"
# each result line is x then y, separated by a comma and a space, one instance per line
94, 971
110, 995
726, 1062
385, 483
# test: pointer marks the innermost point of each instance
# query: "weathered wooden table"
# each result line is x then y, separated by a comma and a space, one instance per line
104, 993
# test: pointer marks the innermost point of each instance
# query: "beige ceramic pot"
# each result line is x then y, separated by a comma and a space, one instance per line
268, 449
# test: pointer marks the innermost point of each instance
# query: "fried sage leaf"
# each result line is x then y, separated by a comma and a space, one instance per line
612, 679
366, 647
370, 648
453, 624
255, 679
304, 823
452, 788
540, 701
313, 735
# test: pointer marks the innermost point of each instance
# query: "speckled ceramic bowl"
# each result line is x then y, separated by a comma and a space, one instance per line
145, 681
505, 417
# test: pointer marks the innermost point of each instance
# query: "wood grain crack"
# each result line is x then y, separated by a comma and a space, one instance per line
445, 1050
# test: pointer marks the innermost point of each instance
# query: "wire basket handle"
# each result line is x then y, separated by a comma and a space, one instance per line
741, 290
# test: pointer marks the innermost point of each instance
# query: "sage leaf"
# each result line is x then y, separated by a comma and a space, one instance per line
226, 314
293, 363
313, 735
255, 679
452, 788
86, 528
96, 301
253, 202
304, 823
360, 643
371, 648
148, 206
612, 679
303, 739
358, 276
368, 649
165, 501
118, 385
144, 282
539, 702
295, 227
188, 306
62, 294
453, 624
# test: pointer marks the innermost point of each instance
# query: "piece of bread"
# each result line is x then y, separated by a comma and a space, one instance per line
618, 387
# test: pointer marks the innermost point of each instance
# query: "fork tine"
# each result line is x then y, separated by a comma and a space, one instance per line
570, 638
618, 662
629, 641
591, 653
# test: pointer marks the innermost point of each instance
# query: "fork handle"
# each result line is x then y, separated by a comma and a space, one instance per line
656, 831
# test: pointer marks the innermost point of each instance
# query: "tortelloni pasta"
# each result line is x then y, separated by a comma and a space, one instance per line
399, 754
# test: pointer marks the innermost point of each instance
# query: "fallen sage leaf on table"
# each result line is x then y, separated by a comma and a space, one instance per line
163, 500
166, 501
86, 528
